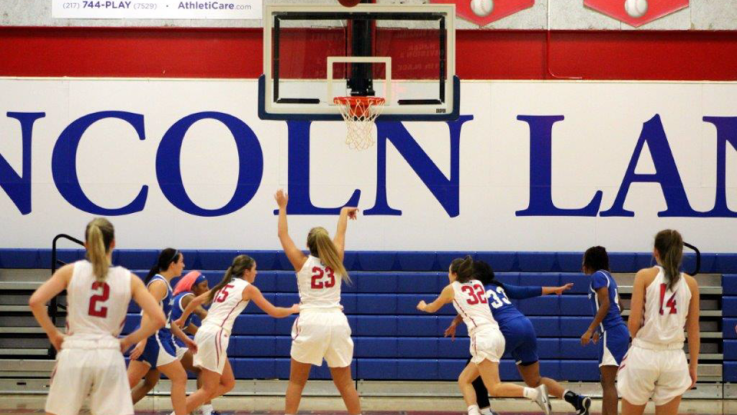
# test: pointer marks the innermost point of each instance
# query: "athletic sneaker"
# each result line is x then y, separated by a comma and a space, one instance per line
583, 406
542, 399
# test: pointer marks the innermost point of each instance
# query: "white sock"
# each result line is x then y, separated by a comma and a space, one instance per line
486, 411
531, 393
206, 409
473, 410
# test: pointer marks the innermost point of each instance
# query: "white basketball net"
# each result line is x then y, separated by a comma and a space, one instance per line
360, 115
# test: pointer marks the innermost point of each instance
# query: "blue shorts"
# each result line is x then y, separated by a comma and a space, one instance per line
613, 345
160, 350
521, 340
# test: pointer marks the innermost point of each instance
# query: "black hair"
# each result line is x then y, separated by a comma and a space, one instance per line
166, 257
596, 258
485, 273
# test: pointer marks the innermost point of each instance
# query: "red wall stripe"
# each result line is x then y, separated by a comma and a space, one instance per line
481, 54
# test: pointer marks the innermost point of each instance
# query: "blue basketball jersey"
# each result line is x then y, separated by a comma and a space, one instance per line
601, 279
165, 303
499, 300
177, 309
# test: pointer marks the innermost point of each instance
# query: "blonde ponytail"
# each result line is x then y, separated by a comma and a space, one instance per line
320, 243
669, 244
99, 235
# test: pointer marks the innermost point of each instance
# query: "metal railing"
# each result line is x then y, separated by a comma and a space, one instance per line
55, 261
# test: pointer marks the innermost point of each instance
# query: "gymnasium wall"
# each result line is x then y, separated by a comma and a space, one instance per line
528, 166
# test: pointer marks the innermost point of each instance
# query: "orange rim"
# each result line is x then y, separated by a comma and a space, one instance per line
359, 106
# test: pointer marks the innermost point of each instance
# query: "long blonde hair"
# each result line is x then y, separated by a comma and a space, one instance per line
98, 235
321, 246
669, 244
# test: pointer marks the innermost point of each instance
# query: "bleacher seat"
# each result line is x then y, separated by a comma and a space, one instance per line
394, 341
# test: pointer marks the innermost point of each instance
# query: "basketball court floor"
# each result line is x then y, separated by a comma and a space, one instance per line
372, 406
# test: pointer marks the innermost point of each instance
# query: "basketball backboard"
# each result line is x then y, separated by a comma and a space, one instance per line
402, 53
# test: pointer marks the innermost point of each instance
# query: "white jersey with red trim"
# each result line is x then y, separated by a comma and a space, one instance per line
97, 308
319, 285
227, 304
471, 302
665, 311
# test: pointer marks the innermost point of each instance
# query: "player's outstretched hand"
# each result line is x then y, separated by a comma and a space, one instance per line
352, 212
281, 198
561, 290
421, 305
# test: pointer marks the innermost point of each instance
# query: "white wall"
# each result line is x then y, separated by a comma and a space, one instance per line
591, 151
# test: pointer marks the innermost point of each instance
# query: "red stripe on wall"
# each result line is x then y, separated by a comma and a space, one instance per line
481, 54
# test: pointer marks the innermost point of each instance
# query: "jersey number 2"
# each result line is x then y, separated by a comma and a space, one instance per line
670, 303
318, 273
102, 294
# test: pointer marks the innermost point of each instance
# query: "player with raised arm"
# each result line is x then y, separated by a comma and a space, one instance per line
607, 328
664, 302
228, 298
158, 351
519, 335
487, 342
321, 331
90, 360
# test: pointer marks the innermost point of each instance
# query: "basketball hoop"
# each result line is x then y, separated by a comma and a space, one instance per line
360, 115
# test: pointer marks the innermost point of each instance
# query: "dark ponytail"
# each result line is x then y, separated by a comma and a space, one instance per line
669, 244
240, 264
463, 268
166, 257
484, 273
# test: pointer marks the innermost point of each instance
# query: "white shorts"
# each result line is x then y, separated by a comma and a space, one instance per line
94, 368
212, 345
322, 334
487, 344
181, 351
660, 374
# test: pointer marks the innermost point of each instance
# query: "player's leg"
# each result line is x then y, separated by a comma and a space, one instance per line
670, 408
344, 382
137, 369
142, 389
609, 390
631, 409
298, 375
489, 372
178, 378
210, 385
482, 395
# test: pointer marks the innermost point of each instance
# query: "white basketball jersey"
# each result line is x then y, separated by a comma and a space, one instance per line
227, 304
665, 311
97, 308
319, 285
471, 303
